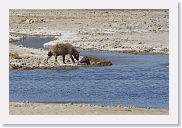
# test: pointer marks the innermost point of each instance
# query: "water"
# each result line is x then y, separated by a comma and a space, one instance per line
132, 80
35, 41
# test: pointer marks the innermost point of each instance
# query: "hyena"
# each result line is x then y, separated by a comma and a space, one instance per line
90, 60
63, 49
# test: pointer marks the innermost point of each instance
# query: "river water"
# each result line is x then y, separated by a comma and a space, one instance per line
132, 80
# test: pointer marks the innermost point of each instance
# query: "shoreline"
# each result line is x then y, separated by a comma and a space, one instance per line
21, 36
24, 58
29, 108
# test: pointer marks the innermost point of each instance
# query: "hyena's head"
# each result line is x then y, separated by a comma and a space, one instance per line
85, 60
76, 55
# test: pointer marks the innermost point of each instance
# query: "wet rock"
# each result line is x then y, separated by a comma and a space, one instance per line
27, 68
20, 67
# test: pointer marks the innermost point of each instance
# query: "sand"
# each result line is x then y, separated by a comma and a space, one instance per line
17, 108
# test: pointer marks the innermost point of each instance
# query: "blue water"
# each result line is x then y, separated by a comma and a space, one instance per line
35, 41
136, 80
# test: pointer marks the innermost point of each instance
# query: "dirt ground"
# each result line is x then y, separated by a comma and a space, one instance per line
79, 109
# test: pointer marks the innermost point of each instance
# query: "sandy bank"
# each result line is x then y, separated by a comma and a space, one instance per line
17, 108
29, 58
23, 58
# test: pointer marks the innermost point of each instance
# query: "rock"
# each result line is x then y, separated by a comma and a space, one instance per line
20, 67
14, 66
23, 64
14, 56
31, 21
26, 68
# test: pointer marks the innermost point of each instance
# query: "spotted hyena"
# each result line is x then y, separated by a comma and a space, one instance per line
98, 61
63, 49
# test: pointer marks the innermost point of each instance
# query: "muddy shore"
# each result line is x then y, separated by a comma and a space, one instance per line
17, 108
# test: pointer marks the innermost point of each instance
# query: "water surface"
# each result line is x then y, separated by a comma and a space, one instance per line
132, 80
35, 41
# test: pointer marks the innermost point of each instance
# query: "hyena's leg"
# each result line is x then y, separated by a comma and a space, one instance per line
72, 59
56, 58
49, 56
64, 59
